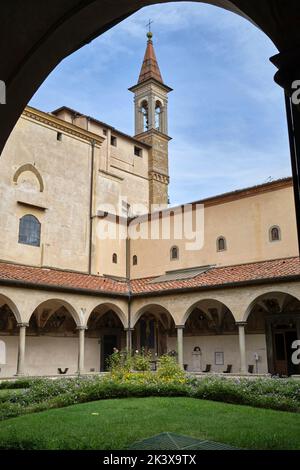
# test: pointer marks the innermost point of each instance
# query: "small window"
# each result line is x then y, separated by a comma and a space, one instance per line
134, 260
104, 132
221, 244
113, 141
115, 258
275, 234
174, 253
59, 136
29, 230
138, 151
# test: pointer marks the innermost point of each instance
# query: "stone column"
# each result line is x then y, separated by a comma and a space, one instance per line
180, 329
242, 343
81, 338
21, 349
129, 339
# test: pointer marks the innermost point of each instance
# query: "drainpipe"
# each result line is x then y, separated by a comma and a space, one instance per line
93, 143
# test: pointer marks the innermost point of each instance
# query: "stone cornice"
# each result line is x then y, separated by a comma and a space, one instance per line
156, 176
60, 125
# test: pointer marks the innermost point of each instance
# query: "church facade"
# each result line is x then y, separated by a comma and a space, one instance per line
92, 257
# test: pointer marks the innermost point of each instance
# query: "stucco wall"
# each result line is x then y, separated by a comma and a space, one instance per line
229, 345
64, 167
45, 354
245, 223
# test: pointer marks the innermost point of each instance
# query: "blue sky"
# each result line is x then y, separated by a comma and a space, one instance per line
226, 115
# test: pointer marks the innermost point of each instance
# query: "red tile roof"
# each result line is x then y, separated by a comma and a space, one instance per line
222, 276
282, 269
61, 279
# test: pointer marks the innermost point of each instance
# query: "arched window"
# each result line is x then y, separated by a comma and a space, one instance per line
275, 234
29, 230
145, 113
134, 260
221, 244
115, 258
174, 253
158, 115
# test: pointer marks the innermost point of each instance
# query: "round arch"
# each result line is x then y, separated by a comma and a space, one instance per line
4, 300
105, 307
155, 309
206, 304
278, 295
27, 70
29, 167
55, 304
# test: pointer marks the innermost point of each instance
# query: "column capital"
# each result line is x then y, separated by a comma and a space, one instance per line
241, 323
179, 327
24, 324
81, 327
288, 68
128, 329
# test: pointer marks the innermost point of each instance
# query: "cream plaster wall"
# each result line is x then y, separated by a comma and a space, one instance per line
64, 204
229, 345
45, 354
245, 224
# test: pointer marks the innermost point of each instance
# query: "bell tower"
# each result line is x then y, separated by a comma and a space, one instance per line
151, 123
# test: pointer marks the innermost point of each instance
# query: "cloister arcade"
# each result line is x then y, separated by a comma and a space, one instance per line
241, 330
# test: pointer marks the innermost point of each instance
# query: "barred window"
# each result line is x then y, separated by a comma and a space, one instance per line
29, 230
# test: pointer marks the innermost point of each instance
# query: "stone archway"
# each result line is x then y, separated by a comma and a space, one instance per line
105, 331
39, 40
9, 336
210, 338
52, 339
153, 328
274, 319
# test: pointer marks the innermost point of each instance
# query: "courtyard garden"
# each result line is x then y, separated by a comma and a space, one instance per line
132, 403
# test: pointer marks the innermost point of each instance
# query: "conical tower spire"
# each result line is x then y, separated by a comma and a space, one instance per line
150, 68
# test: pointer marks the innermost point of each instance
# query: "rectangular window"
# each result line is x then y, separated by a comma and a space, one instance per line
113, 141
104, 132
138, 151
59, 136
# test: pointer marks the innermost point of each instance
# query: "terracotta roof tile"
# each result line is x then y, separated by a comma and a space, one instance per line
216, 277
150, 68
62, 279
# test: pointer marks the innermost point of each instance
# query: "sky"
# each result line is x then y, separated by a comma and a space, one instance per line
226, 114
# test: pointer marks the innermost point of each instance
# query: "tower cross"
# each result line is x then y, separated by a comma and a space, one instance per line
149, 25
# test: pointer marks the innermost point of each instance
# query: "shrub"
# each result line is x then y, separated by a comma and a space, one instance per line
141, 361
13, 384
170, 380
168, 369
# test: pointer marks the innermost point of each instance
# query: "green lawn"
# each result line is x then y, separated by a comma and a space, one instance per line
115, 424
